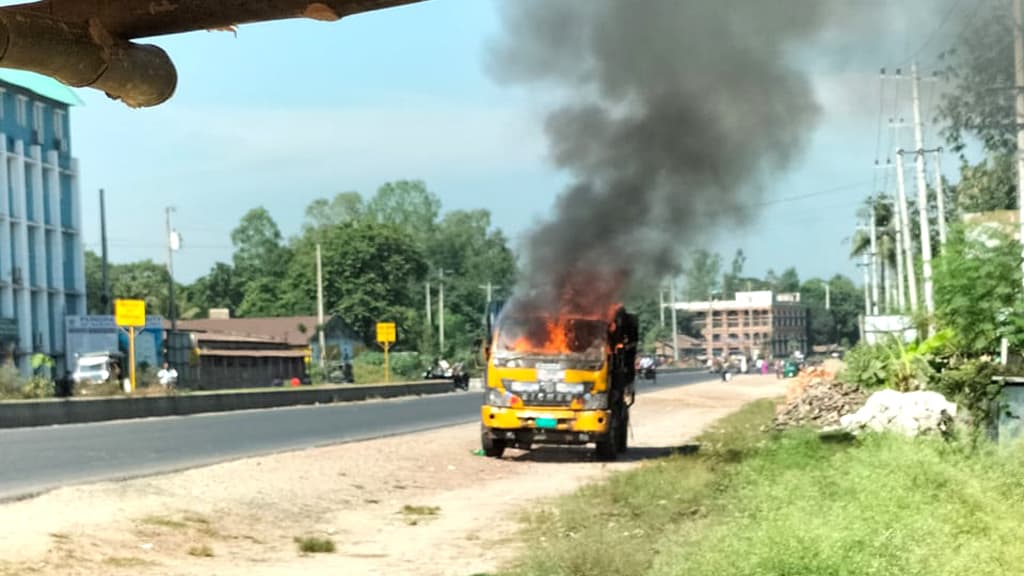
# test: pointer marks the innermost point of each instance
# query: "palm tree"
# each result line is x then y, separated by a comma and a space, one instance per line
885, 229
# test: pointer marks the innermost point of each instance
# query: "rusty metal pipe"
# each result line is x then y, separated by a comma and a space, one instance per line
81, 55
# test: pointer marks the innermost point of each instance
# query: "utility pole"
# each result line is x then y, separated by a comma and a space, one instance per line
828, 296
1018, 74
320, 307
430, 319
709, 325
661, 305
901, 284
675, 321
874, 259
922, 197
908, 245
867, 291
440, 311
108, 304
940, 197
173, 243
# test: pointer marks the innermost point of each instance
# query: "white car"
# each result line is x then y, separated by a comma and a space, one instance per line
92, 369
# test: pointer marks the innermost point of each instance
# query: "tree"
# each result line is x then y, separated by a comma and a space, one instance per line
260, 262
345, 207
471, 253
218, 289
988, 185
978, 289
409, 205
979, 74
789, 281
731, 279
702, 275
839, 324
372, 273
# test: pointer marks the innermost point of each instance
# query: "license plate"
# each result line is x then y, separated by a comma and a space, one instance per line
546, 423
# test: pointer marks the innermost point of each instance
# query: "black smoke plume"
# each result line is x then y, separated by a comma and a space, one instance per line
672, 115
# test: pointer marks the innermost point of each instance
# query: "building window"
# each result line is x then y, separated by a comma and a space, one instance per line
37, 117
22, 111
58, 124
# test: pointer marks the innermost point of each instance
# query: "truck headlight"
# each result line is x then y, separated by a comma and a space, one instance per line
499, 399
597, 401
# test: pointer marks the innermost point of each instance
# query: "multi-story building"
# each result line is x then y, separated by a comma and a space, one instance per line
42, 275
757, 324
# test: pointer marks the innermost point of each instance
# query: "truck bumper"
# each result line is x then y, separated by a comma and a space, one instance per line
526, 426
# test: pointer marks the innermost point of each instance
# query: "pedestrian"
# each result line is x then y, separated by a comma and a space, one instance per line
167, 376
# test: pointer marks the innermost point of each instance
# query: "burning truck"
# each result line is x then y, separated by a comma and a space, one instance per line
558, 377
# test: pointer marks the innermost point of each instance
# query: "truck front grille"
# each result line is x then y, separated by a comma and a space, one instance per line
547, 398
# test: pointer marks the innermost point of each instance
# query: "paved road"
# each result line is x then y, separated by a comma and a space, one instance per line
33, 460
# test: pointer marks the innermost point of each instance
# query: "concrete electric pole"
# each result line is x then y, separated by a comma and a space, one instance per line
940, 197
320, 307
173, 244
922, 196
661, 305
675, 320
1018, 75
908, 244
440, 311
874, 259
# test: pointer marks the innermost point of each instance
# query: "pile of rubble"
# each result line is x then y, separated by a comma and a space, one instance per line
818, 402
909, 413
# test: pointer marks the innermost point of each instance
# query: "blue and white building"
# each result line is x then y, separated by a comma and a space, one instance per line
42, 271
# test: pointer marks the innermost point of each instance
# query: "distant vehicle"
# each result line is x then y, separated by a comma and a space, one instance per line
442, 370
95, 368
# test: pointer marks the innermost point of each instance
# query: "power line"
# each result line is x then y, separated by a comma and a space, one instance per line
931, 36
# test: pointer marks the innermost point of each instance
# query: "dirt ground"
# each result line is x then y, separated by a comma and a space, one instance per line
419, 504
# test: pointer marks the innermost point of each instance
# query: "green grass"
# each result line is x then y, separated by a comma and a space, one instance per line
314, 545
757, 504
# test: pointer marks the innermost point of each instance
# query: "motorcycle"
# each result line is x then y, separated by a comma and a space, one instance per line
648, 373
441, 370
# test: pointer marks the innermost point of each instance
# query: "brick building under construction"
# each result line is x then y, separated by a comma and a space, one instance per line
758, 324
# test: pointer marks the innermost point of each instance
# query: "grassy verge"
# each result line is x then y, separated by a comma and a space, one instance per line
754, 503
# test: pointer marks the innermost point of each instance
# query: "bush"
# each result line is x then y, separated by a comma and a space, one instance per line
867, 366
14, 387
970, 386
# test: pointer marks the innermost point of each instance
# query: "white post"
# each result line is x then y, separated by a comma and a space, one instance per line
675, 321
440, 312
940, 197
828, 296
661, 305
1018, 74
320, 307
867, 280
908, 245
874, 260
900, 286
922, 198
430, 319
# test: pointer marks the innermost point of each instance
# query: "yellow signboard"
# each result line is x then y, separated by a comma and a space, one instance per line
130, 313
385, 332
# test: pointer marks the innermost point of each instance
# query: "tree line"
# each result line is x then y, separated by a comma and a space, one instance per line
378, 254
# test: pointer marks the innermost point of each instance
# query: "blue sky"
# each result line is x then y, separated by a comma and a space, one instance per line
290, 111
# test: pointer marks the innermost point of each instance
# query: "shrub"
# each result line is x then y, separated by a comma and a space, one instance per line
315, 545
970, 386
868, 366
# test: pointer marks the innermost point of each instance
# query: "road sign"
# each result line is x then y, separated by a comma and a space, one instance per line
385, 332
130, 313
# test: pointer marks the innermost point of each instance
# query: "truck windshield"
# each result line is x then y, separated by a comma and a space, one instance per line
551, 337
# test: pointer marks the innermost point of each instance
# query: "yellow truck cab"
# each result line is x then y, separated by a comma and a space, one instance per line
566, 380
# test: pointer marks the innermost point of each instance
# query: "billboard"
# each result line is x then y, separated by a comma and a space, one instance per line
88, 334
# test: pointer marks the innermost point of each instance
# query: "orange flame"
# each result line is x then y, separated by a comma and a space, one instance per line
555, 338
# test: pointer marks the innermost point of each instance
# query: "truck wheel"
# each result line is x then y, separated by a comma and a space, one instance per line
492, 447
622, 438
608, 447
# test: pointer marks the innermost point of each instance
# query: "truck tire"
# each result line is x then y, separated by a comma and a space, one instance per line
622, 438
492, 447
607, 448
